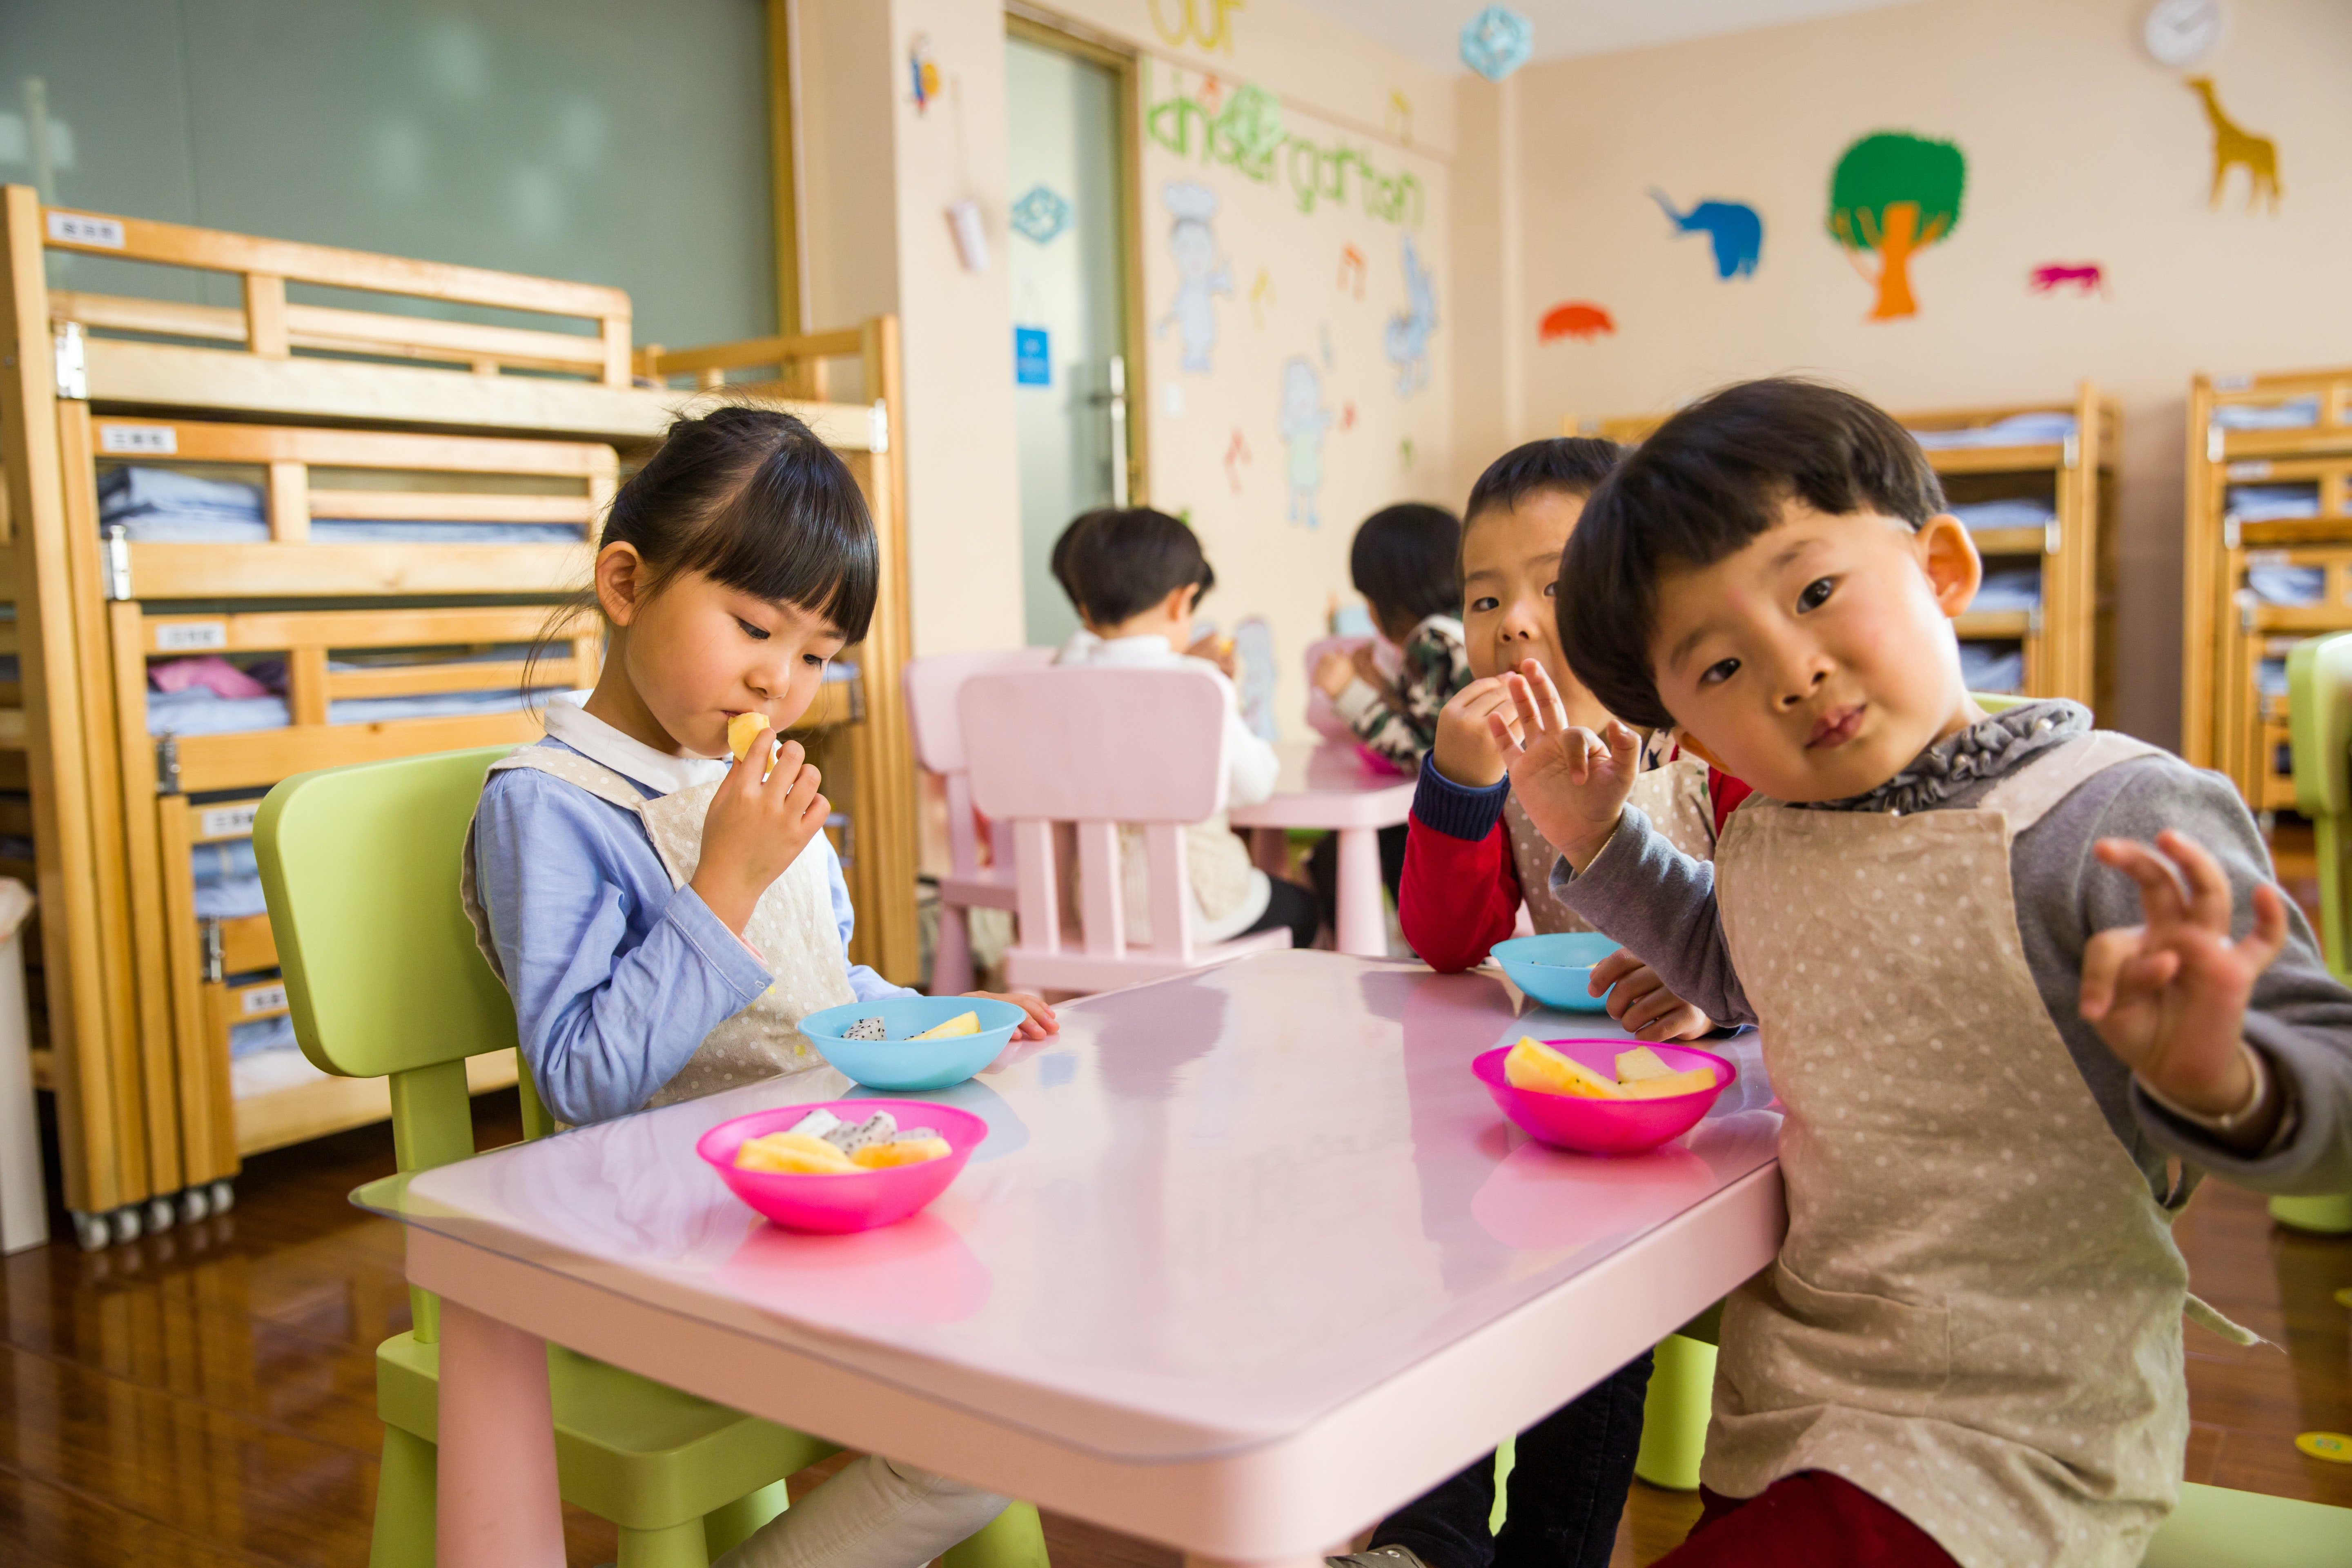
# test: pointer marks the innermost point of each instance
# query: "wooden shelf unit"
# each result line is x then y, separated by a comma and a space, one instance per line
486, 424
2230, 631
2068, 640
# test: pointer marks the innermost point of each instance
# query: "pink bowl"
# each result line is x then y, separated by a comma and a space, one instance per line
1604, 1126
840, 1204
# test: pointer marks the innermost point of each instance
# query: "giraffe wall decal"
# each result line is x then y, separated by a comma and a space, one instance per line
2232, 145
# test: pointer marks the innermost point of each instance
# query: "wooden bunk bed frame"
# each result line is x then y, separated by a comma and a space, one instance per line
2227, 723
2068, 641
139, 1126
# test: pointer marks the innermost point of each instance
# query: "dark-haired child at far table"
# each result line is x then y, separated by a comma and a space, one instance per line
2005, 966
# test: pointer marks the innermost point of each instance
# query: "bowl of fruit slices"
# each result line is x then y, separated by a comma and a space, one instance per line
913, 1043
1602, 1097
845, 1165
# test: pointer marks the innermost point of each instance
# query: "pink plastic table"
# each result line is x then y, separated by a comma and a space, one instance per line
1332, 786
1248, 1259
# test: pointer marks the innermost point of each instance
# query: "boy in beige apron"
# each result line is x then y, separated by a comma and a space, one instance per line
1969, 1348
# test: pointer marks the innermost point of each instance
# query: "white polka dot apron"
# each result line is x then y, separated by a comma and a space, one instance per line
1672, 796
1976, 1316
791, 927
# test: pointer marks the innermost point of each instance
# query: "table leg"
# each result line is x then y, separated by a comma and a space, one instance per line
1364, 925
1270, 850
499, 1507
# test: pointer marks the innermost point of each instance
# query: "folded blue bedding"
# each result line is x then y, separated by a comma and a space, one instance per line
2272, 503
2294, 414
2270, 678
258, 1034
197, 711
2013, 513
1997, 667
2288, 584
164, 506
2016, 430
228, 881
2008, 588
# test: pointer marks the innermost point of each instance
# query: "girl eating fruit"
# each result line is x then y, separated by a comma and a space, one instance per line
662, 919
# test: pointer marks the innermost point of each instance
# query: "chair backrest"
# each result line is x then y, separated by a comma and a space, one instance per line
1320, 716
1097, 747
2319, 732
933, 684
360, 866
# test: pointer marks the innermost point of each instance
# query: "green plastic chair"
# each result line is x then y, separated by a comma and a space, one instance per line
2319, 729
383, 979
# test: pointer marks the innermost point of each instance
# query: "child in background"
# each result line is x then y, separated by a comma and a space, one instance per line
664, 920
1406, 563
1992, 1009
1135, 577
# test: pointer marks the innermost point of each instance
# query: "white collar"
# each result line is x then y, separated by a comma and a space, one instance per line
599, 742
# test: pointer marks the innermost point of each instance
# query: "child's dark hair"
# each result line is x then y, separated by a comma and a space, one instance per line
1573, 463
1059, 561
1120, 563
1407, 562
1709, 479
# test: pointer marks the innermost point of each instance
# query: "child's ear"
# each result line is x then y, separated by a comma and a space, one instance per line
1948, 555
620, 581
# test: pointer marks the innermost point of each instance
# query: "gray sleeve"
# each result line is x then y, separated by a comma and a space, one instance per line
2299, 1017
1660, 903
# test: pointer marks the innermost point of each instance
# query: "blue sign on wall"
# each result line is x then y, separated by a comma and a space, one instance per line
1032, 365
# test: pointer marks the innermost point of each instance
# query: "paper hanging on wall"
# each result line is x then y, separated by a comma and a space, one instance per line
1202, 273
2233, 146
1893, 195
1406, 341
1576, 318
1237, 452
1032, 363
2082, 277
971, 233
1304, 421
1040, 214
1497, 42
1733, 228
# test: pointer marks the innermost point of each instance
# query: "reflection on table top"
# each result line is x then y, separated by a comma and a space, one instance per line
1328, 785
1212, 1209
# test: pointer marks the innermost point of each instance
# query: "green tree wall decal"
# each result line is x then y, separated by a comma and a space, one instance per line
1895, 194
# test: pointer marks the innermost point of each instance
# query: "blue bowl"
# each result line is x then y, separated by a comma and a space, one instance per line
900, 1063
1556, 969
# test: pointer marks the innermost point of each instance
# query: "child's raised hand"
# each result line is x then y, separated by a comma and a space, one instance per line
756, 829
1465, 751
1571, 783
1640, 1001
2168, 995
1040, 1022
1333, 672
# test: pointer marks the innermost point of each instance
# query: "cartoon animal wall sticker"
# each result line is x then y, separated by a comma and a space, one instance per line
1578, 319
1893, 195
1304, 421
2082, 277
1406, 340
2233, 146
1733, 228
1202, 272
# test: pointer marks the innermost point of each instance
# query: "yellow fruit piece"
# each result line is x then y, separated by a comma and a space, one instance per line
1639, 1063
741, 730
962, 1024
791, 1153
1673, 1083
1538, 1068
905, 1151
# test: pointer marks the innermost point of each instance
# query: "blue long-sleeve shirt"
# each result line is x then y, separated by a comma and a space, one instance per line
615, 976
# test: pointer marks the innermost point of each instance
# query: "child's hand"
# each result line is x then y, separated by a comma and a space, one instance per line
1040, 1022
755, 830
1217, 650
2169, 996
1642, 1002
1334, 673
1571, 783
1465, 752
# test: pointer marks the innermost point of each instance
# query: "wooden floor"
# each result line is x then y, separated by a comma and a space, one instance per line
206, 1397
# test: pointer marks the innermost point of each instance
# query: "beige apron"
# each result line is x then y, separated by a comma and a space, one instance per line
1672, 796
791, 927
1976, 1316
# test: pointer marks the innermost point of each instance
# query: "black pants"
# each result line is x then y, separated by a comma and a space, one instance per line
1323, 870
1291, 906
1567, 1489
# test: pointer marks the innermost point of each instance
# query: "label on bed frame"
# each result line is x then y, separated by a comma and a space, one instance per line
2258, 468
81, 228
151, 440
184, 636
2232, 382
261, 999
228, 821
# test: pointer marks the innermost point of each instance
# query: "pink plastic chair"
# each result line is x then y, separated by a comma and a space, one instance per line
932, 685
1097, 748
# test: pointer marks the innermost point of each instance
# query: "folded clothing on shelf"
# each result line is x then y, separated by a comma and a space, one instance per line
227, 879
198, 711
2294, 414
2271, 503
166, 506
2270, 678
2014, 512
1995, 666
2008, 588
2018, 430
2287, 584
